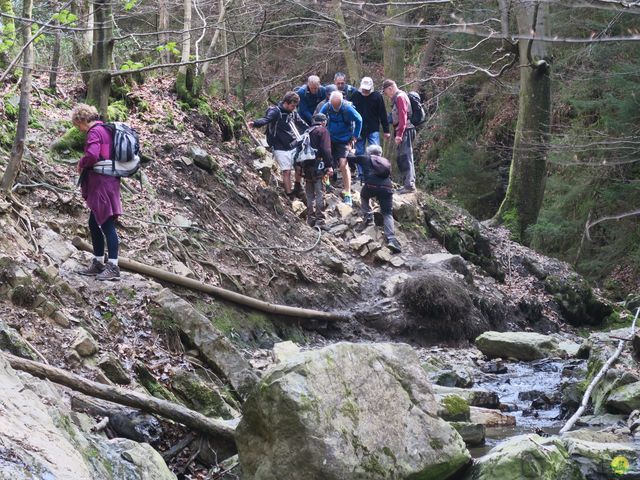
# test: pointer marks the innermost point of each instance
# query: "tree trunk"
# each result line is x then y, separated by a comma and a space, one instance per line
7, 34
394, 46
163, 25
186, 36
121, 396
83, 40
100, 78
225, 61
17, 150
55, 60
527, 176
185, 80
349, 52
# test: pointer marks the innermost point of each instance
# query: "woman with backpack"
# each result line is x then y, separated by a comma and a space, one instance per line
101, 193
314, 170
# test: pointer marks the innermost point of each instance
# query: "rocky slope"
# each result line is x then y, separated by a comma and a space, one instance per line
208, 207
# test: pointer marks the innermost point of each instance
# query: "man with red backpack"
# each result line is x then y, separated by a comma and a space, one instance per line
404, 134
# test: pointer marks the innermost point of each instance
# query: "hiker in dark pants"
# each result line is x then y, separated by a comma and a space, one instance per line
314, 171
405, 134
101, 193
378, 185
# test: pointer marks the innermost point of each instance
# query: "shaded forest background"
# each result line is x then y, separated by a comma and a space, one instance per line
460, 55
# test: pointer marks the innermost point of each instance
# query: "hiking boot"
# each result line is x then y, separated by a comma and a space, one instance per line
297, 191
94, 269
366, 223
111, 272
311, 221
404, 190
346, 199
394, 246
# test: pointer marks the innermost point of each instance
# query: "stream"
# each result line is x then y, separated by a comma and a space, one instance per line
523, 383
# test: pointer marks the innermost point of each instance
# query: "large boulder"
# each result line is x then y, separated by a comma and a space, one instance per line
40, 439
527, 457
347, 411
219, 352
625, 399
524, 346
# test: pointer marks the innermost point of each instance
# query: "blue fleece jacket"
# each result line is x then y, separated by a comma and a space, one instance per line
343, 124
309, 101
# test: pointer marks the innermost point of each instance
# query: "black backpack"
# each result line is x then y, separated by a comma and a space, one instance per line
381, 166
418, 115
125, 152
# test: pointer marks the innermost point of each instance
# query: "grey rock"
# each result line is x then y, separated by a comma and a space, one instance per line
12, 342
202, 159
113, 369
625, 399
474, 396
347, 411
392, 284
525, 346
84, 343
334, 263
217, 350
490, 417
473, 434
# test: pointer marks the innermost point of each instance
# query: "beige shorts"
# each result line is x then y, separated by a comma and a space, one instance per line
284, 158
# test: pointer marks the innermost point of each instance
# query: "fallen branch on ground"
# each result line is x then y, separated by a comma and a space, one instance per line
121, 396
219, 292
597, 378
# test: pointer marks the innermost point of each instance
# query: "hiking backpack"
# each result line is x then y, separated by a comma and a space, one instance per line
381, 166
418, 115
305, 153
125, 152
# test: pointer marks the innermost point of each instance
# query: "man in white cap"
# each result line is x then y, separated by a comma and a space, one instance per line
370, 105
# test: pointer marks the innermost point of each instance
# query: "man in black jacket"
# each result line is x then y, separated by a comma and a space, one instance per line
284, 125
370, 105
377, 185
314, 171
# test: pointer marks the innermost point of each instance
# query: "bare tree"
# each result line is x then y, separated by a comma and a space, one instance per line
17, 150
100, 77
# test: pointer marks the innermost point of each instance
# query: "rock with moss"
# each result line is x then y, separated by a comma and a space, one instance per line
41, 439
527, 457
113, 369
461, 234
11, 341
347, 411
576, 300
201, 396
72, 141
602, 455
625, 399
473, 434
524, 346
454, 408
117, 111
476, 397
219, 353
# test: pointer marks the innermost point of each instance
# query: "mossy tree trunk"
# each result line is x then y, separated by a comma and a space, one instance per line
348, 50
527, 176
162, 26
17, 150
7, 33
393, 45
55, 60
225, 50
185, 80
100, 77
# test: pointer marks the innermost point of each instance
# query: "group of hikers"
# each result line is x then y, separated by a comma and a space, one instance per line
343, 126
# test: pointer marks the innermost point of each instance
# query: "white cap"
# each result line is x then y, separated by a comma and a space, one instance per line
366, 84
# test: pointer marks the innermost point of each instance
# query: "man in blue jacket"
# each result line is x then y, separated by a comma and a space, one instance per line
311, 95
344, 124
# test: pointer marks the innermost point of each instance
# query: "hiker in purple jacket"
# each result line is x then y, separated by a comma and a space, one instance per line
101, 192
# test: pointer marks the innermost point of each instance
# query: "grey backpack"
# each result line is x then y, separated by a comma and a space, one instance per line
125, 152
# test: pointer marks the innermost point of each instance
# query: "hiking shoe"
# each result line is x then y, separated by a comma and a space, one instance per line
311, 221
394, 246
94, 269
111, 272
364, 225
346, 199
403, 190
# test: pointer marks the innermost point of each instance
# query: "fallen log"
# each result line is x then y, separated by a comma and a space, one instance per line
218, 292
172, 411
587, 394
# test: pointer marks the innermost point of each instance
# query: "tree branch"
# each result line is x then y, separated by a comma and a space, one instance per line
611, 217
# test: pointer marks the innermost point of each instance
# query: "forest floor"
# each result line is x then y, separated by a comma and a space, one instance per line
224, 226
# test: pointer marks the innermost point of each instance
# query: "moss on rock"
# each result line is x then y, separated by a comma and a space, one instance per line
72, 140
